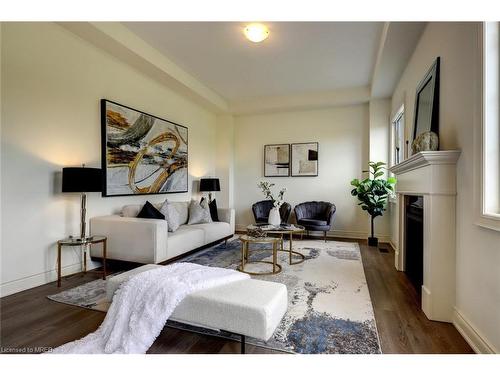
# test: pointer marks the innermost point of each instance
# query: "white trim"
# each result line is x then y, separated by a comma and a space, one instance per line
15, 286
477, 342
425, 158
482, 218
433, 176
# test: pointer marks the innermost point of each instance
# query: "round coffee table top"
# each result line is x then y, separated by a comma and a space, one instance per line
282, 229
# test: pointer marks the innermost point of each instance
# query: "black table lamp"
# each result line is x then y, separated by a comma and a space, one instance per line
210, 185
81, 180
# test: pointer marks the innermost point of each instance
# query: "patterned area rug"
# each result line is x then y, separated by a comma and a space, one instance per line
329, 309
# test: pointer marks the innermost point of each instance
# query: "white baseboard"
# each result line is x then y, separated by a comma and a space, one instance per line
15, 286
334, 233
393, 245
477, 342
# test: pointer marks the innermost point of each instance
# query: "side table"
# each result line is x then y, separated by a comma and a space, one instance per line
246, 240
76, 241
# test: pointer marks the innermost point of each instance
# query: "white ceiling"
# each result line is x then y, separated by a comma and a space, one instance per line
297, 58
396, 48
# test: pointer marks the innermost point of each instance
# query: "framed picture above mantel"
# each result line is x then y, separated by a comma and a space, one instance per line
141, 153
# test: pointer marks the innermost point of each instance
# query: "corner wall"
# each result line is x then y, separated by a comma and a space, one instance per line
477, 313
343, 136
51, 85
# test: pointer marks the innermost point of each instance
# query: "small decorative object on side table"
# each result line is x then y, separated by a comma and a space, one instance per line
77, 241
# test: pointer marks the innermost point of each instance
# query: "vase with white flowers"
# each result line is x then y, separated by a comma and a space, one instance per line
278, 200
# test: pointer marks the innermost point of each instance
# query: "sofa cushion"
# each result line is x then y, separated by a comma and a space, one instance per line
172, 215
213, 231
212, 206
148, 211
131, 210
184, 239
316, 222
199, 212
183, 210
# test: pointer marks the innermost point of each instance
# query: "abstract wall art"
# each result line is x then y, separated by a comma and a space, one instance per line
142, 153
305, 159
277, 160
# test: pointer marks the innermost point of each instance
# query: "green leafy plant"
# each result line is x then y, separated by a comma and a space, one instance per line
373, 192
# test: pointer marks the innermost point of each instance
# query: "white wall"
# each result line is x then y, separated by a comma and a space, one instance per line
478, 249
225, 160
51, 85
379, 149
342, 133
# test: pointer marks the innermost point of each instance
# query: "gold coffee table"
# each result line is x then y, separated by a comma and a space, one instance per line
282, 231
246, 240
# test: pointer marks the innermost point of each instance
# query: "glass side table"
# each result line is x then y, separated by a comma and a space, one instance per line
77, 241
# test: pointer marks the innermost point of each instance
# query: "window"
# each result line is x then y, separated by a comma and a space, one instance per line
397, 137
488, 150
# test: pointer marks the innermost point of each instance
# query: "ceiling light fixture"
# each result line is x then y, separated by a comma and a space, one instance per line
256, 32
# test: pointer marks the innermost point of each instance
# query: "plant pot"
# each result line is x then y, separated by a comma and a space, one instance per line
372, 241
274, 217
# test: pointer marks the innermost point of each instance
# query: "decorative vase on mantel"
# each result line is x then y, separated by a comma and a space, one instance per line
274, 217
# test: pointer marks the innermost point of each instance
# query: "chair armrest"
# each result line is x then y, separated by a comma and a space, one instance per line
331, 214
299, 214
227, 215
132, 239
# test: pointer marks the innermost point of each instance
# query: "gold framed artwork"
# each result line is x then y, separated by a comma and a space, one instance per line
142, 153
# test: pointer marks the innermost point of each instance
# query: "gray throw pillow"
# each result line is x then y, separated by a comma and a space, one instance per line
199, 212
172, 215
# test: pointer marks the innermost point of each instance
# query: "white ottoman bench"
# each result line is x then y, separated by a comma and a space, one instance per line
249, 307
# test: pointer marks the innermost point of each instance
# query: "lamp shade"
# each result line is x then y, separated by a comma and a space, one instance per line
209, 184
80, 179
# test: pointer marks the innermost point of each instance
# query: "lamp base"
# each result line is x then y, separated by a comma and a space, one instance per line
372, 241
83, 214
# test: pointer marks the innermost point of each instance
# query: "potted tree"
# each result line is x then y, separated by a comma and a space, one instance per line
373, 192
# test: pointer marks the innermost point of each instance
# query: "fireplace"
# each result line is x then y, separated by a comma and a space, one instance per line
414, 240
425, 228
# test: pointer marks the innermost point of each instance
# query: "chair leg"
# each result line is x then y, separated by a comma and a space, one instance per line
325, 235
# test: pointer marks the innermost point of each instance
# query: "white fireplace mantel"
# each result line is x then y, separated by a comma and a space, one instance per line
432, 175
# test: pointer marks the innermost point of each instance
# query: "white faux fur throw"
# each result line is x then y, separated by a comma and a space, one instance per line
142, 305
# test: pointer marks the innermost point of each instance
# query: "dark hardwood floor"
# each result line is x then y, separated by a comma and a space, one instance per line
31, 322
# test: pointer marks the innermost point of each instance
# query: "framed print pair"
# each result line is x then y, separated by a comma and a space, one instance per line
296, 160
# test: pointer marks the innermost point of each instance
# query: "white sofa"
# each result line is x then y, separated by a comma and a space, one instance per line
148, 240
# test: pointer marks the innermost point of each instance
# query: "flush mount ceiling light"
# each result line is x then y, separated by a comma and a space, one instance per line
256, 32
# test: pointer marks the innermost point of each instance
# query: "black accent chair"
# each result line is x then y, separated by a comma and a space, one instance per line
261, 211
315, 216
